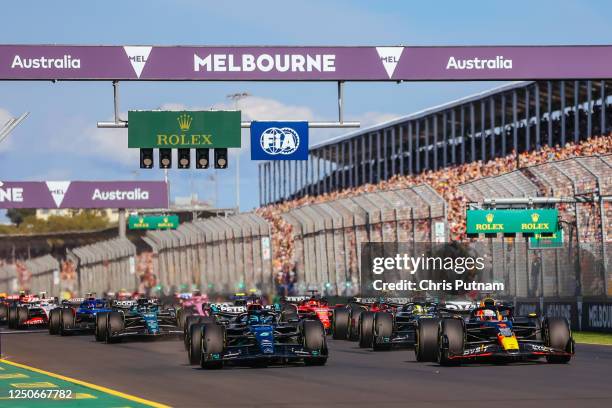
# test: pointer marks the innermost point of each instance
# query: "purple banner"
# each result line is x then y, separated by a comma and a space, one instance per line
393, 63
83, 194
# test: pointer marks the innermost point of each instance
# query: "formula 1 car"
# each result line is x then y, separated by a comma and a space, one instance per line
6, 301
135, 318
399, 324
256, 337
492, 333
345, 320
191, 304
310, 307
77, 315
30, 311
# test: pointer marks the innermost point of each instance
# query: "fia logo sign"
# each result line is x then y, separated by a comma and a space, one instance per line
279, 140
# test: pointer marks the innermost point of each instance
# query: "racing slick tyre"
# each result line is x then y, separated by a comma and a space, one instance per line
366, 329
114, 325
66, 321
3, 312
426, 341
356, 311
557, 334
12, 315
193, 342
212, 346
451, 335
289, 312
340, 323
22, 317
101, 324
190, 321
181, 317
54, 321
383, 329
313, 335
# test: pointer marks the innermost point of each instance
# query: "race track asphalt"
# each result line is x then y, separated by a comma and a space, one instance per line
158, 371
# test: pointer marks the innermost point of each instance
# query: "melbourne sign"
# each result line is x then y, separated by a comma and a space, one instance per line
83, 194
542, 221
279, 140
184, 129
271, 63
153, 222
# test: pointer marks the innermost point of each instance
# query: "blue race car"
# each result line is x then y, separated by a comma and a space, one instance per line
257, 336
136, 318
77, 315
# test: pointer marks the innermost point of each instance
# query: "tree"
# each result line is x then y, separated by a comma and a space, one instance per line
17, 215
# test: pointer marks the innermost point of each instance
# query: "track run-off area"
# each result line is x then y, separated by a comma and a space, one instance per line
157, 372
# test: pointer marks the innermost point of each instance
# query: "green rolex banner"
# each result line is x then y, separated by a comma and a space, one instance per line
547, 242
512, 221
153, 222
184, 129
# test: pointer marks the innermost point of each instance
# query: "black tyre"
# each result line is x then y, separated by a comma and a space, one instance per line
426, 340
12, 316
101, 325
22, 317
114, 326
213, 345
366, 329
54, 321
383, 329
193, 342
181, 317
452, 332
313, 335
66, 321
289, 312
3, 312
558, 335
353, 333
190, 321
340, 323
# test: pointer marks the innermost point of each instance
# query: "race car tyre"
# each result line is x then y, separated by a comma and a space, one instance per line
181, 317
557, 334
190, 321
426, 341
54, 321
12, 316
353, 333
451, 336
66, 321
313, 335
193, 342
115, 324
213, 345
383, 329
289, 312
340, 323
366, 329
101, 325
22, 317
3, 312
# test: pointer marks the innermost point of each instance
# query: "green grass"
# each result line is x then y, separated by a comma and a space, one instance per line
593, 338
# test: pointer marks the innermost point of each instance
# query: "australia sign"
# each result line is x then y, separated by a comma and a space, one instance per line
184, 129
282, 63
83, 194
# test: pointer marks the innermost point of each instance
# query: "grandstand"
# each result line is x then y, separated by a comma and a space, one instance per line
511, 119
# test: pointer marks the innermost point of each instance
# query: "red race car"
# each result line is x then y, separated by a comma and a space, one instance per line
345, 322
313, 307
30, 311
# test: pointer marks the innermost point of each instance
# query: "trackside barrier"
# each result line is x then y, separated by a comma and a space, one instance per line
221, 254
8, 278
106, 266
328, 236
588, 314
43, 275
582, 265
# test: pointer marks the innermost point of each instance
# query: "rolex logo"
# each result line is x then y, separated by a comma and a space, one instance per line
184, 121
489, 217
535, 217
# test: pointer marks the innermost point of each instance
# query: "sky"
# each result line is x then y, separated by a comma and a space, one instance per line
60, 141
